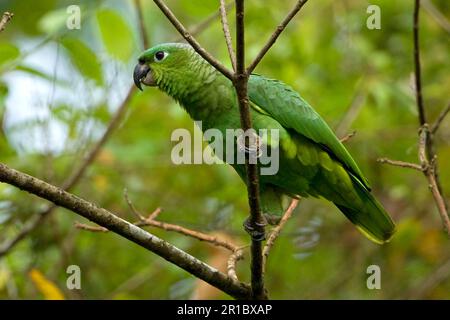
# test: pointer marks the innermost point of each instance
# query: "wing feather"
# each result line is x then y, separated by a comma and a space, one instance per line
287, 107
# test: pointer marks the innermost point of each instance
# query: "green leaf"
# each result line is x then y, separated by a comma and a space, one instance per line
53, 21
116, 34
8, 52
84, 59
40, 74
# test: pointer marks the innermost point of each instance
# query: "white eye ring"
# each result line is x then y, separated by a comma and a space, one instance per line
160, 56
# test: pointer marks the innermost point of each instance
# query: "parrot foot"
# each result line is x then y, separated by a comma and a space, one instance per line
256, 230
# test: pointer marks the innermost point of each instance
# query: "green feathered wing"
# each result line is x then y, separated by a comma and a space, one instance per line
337, 176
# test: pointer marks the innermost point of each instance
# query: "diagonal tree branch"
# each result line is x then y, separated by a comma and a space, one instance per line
226, 32
192, 41
198, 28
151, 221
275, 35
277, 230
440, 118
143, 30
429, 168
108, 220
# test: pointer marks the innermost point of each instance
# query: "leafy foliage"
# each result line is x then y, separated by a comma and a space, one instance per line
54, 105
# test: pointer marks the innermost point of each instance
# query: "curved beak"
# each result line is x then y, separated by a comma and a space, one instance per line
141, 75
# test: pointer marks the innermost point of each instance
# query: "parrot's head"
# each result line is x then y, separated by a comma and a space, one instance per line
165, 64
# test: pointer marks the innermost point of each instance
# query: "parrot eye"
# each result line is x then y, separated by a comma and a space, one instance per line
160, 56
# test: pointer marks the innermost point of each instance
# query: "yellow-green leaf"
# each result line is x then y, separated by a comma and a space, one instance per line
84, 59
8, 52
53, 21
116, 34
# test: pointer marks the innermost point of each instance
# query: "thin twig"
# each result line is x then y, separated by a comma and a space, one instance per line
138, 215
108, 220
231, 264
198, 28
441, 117
277, 230
154, 214
6, 17
237, 252
189, 232
436, 14
348, 136
143, 30
429, 171
402, 164
150, 221
83, 226
214, 240
275, 35
417, 70
192, 41
226, 32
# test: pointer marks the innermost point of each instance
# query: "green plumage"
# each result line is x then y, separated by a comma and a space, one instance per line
313, 162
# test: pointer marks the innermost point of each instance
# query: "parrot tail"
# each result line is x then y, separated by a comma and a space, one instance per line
371, 219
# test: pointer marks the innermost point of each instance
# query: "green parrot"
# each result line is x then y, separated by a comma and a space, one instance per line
312, 160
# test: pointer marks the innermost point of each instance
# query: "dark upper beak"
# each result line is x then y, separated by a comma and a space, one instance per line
140, 72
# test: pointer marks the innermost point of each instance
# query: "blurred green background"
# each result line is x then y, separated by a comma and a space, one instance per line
59, 89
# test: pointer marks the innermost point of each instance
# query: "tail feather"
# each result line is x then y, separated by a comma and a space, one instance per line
371, 219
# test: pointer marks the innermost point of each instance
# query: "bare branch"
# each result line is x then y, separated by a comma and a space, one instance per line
440, 202
198, 28
256, 220
275, 35
277, 230
429, 168
139, 216
231, 264
150, 221
226, 32
441, 117
192, 41
426, 147
402, 164
417, 71
154, 214
6, 17
189, 232
143, 30
127, 230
